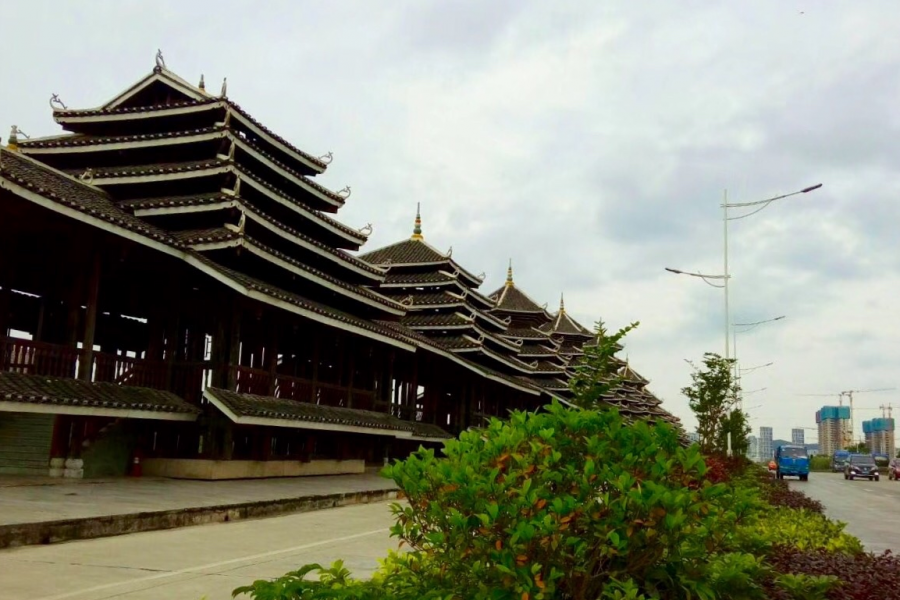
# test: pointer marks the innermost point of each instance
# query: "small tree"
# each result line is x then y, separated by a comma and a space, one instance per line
595, 375
736, 424
713, 395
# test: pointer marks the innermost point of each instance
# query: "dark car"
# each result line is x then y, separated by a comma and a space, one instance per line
861, 465
894, 470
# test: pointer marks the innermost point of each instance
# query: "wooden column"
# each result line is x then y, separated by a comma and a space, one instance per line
315, 367
5, 294
272, 356
389, 395
234, 345
85, 367
414, 389
352, 367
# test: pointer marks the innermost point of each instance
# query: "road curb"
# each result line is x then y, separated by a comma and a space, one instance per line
53, 532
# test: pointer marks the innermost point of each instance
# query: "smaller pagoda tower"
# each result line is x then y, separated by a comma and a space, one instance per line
443, 303
526, 319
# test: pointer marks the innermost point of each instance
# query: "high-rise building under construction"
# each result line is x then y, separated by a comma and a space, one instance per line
880, 436
834, 428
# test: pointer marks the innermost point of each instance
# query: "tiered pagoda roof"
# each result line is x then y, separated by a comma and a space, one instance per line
444, 304
526, 320
633, 399
569, 333
225, 187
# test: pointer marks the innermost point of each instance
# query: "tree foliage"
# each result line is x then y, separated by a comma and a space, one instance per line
713, 395
565, 504
595, 375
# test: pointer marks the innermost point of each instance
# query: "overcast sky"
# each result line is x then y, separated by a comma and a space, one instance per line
589, 141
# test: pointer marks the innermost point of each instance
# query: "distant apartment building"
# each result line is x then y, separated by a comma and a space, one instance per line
693, 437
753, 448
834, 428
798, 437
880, 436
765, 443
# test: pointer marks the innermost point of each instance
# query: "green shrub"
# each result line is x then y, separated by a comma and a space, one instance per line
820, 463
569, 504
804, 530
806, 587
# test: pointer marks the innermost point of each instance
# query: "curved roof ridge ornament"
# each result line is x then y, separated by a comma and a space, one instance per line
224, 92
13, 138
242, 223
344, 193
160, 61
449, 251
56, 103
408, 301
87, 176
507, 320
236, 188
481, 276
326, 158
366, 230
388, 262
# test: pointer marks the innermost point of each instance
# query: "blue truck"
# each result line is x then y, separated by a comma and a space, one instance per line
839, 461
791, 461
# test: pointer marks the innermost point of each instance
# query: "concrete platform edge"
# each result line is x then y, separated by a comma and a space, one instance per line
52, 532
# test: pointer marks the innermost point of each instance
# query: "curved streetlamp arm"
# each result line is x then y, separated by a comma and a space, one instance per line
707, 279
765, 203
752, 326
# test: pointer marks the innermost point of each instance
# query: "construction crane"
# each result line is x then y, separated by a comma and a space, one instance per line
848, 436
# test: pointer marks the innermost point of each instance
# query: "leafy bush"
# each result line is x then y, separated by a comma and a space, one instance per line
861, 576
820, 463
805, 530
720, 469
805, 587
777, 493
569, 504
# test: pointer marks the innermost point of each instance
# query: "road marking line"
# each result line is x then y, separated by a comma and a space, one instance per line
168, 574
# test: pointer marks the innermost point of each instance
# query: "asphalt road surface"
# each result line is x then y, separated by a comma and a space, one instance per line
191, 563
211, 560
870, 509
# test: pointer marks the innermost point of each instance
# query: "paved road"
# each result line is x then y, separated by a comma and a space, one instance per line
32, 499
193, 562
871, 510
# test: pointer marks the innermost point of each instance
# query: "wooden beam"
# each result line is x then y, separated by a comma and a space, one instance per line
85, 368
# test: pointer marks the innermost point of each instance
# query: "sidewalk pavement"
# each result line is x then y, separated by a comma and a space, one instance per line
40, 499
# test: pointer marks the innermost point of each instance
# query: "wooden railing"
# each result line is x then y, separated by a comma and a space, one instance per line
184, 379
262, 382
38, 358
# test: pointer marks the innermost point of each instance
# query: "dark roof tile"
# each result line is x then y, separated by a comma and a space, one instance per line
87, 199
269, 407
511, 298
406, 252
79, 140
58, 391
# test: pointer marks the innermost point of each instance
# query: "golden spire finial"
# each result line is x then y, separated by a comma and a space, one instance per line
562, 303
509, 277
417, 229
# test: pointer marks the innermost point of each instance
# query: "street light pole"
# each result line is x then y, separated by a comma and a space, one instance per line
725, 228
